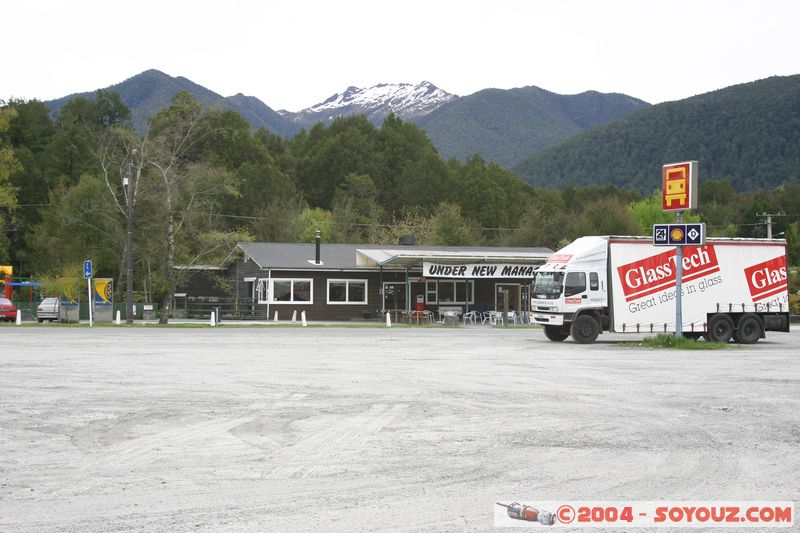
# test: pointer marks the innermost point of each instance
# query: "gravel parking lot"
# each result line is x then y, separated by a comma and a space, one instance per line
354, 429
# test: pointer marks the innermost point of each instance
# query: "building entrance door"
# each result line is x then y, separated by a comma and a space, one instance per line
513, 297
394, 296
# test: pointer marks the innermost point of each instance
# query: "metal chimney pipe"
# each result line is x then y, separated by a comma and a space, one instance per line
317, 238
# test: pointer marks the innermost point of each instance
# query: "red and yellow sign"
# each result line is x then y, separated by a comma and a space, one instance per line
679, 186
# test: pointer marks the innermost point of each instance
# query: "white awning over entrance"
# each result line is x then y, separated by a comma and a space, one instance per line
415, 257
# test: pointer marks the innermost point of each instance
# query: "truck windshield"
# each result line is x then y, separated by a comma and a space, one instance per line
548, 285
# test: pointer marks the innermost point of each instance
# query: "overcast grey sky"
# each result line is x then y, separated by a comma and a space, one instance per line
293, 54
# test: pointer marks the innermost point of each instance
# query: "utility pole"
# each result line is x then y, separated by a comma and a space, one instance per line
769, 225
129, 246
769, 221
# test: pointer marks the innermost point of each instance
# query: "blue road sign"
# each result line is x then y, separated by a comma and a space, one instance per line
679, 234
87, 269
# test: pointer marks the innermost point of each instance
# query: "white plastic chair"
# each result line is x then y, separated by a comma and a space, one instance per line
512, 315
470, 316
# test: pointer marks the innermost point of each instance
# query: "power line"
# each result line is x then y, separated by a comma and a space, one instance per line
332, 223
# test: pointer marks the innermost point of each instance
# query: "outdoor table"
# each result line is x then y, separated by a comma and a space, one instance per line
450, 317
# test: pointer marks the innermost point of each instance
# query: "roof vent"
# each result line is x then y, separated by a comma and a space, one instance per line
408, 240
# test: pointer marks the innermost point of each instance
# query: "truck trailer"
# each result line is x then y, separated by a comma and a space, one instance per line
731, 289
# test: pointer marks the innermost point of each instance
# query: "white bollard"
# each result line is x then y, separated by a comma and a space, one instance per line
276, 316
303, 318
19, 317
294, 316
388, 320
117, 319
213, 321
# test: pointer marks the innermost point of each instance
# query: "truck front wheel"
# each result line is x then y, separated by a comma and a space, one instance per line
585, 329
556, 333
720, 328
748, 331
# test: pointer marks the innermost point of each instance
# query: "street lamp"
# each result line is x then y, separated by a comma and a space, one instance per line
129, 246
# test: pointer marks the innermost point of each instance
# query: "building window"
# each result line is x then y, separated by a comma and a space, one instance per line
430, 292
450, 292
284, 290
347, 291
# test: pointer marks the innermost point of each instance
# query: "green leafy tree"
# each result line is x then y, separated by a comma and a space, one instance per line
8, 193
79, 222
409, 221
188, 188
327, 155
356, 208
66, 280
450, 228
310, 221
605, 216
544, 222
410, 171
648, 211
29, 135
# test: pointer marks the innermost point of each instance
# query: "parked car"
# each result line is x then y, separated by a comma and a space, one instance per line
48, 310
8, 311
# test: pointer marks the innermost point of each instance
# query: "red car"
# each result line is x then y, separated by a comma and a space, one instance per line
7, 310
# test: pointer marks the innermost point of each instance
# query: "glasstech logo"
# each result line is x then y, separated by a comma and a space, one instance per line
656, 273
767, 279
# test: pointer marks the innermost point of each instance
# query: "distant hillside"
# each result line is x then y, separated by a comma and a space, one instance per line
506, 125
152, 90
258, 114
748, 134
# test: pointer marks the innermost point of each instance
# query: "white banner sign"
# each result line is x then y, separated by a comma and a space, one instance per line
477, 271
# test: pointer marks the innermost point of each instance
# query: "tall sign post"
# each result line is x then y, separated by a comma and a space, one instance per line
87, 274
678, 194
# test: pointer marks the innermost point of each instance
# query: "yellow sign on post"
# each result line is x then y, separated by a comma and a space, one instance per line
679, 186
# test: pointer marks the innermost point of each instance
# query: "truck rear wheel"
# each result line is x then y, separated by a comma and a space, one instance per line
556, 333
720, 328
585, 329
748, 331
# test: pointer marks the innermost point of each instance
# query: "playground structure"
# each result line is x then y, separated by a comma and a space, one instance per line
14, 289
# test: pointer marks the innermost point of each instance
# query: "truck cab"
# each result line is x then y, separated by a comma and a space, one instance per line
570, 292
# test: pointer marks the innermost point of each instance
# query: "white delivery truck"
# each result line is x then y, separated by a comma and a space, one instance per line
731, 288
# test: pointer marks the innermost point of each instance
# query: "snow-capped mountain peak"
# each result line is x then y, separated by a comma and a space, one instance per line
405, 100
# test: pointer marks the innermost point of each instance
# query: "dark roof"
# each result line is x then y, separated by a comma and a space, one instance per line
347, 256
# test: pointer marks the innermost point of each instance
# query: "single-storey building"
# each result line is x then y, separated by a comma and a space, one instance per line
363, 281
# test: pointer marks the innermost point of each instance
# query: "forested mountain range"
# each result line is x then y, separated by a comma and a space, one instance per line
748, 135
506, 126
502, 126
152, 90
